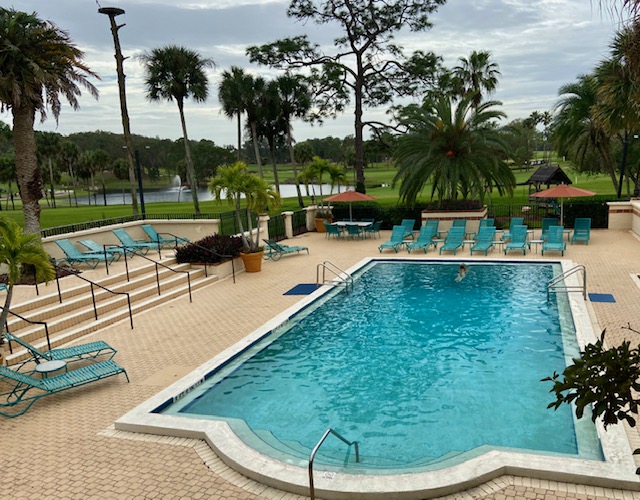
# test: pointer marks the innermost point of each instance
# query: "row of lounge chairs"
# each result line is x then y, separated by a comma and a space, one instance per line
23, 389
98, 253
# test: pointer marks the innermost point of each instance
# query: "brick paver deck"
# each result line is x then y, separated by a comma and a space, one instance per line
65, 445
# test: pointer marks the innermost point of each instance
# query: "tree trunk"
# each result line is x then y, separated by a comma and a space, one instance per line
359, 140
239, 135
256, 147
294, 165
193, 184
5, 311
276, 180
609, 167
27, 171
53, 192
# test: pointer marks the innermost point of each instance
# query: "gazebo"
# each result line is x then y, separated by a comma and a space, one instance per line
549, 175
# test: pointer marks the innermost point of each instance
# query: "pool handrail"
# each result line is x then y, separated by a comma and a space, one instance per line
312, 456
341, 277
553, 286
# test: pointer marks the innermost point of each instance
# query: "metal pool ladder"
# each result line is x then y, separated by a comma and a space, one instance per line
312, 492
337, 275
554, 284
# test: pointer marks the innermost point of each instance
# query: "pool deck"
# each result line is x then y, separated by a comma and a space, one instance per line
65, 446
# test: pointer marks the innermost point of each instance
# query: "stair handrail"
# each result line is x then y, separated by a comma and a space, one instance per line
93, 295
156, 263
552, 285
213, 252
312, 456
33, 322
341, 275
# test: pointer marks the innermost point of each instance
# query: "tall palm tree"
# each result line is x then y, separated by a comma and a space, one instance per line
177, 73
457, 150
68, 156
38, 64
477, 75
235, 84
271, 125
18, 248
252, 106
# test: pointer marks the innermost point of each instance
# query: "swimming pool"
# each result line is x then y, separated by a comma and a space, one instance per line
449, 380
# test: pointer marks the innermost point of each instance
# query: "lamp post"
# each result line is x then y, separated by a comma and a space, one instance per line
140, 190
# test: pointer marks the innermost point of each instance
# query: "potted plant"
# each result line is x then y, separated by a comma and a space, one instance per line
233, 182
323, 214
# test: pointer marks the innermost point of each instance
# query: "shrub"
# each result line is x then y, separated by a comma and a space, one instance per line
202, 251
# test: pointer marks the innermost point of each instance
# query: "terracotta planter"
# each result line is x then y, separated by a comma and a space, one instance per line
252, 261
320, 224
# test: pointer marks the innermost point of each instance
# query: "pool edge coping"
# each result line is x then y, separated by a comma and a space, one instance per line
617, 471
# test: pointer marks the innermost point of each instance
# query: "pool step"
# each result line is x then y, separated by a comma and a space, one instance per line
74, 318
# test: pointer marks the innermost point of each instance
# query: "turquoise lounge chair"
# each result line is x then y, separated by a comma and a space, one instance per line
27, 390
129, 243
332, 230
518, 240
547, 222
275, 250
73, 255
94, 247
581, 230
484, 240
156, 237
396, 241
555, 240
408, 225
4, 287
486, 223
424, 240
77, 352
454, 239
515, 221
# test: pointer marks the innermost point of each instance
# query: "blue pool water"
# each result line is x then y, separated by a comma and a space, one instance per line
413, 365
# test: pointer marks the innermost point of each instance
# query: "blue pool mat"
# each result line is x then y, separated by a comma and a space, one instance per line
302, 289
601, 297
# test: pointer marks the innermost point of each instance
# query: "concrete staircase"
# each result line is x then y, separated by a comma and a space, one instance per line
74, 317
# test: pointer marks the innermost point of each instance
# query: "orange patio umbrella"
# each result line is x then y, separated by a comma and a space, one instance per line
350, 196
563, 191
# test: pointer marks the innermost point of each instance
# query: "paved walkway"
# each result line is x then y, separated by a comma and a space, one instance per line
66, 447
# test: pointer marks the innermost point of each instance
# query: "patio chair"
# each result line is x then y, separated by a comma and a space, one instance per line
94, 247
518, 240
275, 250
332, 230
484, 240
515, 221
156, 237
73, 255
547, 222
129, 243
454, 239
408, 225
486, 223
373, 229
581, 230
77, 352
424, 240
555, 240
396, 240
354, 231
27, 389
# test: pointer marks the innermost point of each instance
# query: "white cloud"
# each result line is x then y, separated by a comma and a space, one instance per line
539, 46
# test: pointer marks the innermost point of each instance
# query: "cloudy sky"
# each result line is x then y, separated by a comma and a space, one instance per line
538, 44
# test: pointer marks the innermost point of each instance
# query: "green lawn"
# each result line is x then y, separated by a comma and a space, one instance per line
378, 177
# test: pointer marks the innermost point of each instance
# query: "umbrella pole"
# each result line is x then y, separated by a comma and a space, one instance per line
350, 213
562, 211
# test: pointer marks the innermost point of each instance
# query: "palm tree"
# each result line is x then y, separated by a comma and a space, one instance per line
47, 147
235, 84
177, 73
476, 75
295, 102
458, 151
38, 64
68, 155
16, 249
575, 127
252, 106
233, 182
337, 176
